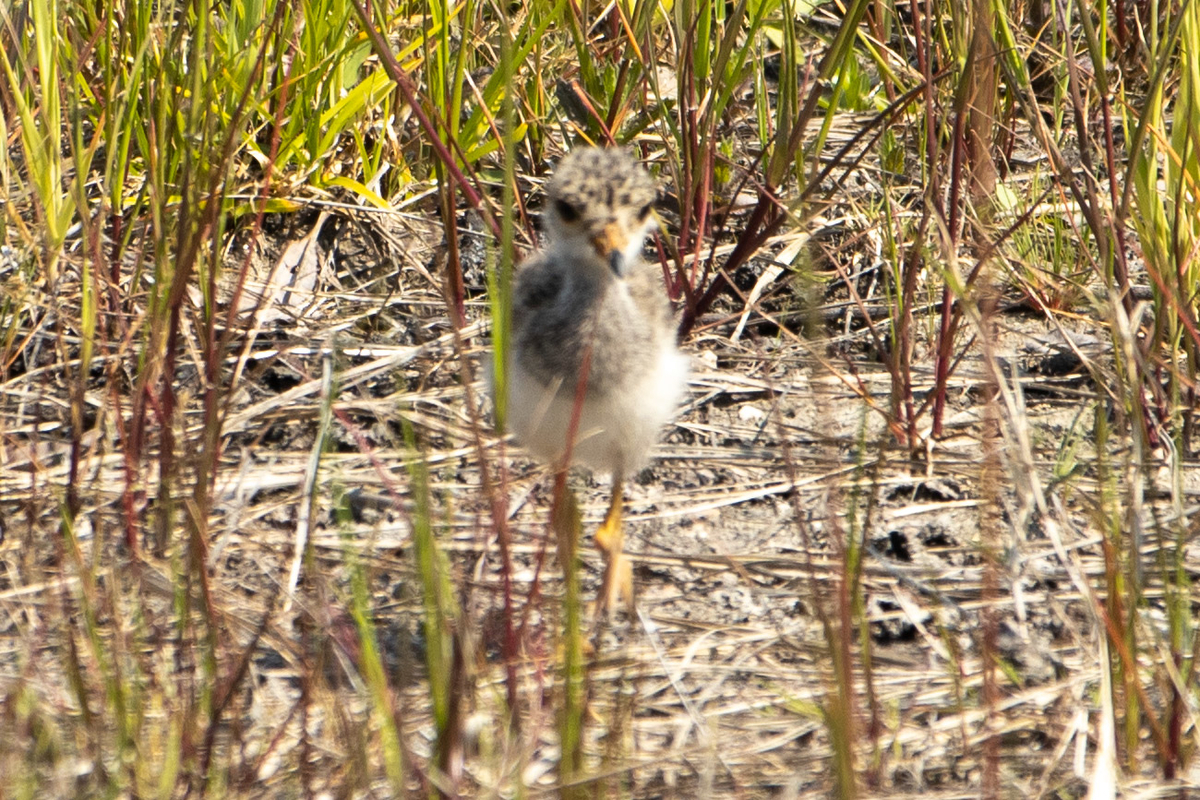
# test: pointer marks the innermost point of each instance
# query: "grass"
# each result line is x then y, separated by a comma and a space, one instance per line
258, 533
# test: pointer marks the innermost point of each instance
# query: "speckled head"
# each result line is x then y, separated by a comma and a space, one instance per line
601, 199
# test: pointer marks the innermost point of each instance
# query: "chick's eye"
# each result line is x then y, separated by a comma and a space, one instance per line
644, 212
565, 210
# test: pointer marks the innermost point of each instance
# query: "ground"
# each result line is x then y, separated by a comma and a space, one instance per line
722, 683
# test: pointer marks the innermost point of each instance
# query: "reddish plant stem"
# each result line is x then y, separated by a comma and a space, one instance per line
948, 327
768, 214
412, 96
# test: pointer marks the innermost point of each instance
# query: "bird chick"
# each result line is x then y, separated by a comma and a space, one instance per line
589, 308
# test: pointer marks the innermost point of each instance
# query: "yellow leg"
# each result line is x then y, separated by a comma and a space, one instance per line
610, 540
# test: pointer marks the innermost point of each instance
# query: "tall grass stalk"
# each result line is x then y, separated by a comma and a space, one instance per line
568, 526
375, 677
41, 121
779, 156
500, 280
441, 619
1162, 181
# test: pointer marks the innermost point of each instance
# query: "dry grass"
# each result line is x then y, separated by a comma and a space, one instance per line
922, 529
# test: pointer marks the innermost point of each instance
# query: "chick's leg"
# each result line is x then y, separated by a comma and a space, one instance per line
610, 540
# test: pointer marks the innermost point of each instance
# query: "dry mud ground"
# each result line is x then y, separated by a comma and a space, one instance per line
737, 533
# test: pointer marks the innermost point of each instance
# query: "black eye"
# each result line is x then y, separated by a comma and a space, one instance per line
565, 210
644, 211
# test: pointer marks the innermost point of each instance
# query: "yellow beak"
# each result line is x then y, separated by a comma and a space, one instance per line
610, 246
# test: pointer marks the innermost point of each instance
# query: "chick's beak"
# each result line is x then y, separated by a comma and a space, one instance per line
610, 246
